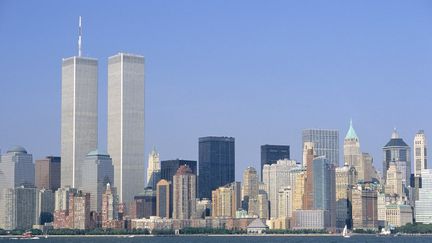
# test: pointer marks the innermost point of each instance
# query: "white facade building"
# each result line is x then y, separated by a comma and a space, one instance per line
275, 177
153, 169
423, 207
126, 123
79, 119
420, 153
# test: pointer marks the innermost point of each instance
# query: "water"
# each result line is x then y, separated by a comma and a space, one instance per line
234, 239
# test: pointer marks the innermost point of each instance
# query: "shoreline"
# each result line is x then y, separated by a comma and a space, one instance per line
213, 235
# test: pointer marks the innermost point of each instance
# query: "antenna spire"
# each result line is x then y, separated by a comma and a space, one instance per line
79, 37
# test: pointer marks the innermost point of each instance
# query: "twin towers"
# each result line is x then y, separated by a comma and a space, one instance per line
79, 119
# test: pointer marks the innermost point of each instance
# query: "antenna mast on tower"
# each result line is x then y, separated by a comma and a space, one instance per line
79, 37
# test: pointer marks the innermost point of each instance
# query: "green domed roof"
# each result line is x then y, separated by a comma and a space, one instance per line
351, 134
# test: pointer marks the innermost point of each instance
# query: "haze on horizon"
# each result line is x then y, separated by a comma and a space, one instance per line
255, 70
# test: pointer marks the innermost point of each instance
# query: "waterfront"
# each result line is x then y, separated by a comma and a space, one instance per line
232, 239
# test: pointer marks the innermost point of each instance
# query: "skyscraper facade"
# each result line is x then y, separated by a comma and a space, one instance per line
164, 199
184, 193
79, 119
126, 123
345, 179
169, 167
352, 153
326, 143
420, 153
423, 207
324, 187
153, 169
270, 154
250, 186
16, 168
275, 177
226, 200
98, 171
398, 151
216, 164
47, 173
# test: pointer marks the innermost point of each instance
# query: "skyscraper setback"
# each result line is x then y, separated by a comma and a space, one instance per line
126, 123
270, 154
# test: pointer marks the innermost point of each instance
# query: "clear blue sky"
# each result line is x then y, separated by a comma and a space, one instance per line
260, 71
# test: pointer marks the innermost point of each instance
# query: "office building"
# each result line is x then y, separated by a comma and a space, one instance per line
420, 160
345, 179
398, 215
394, 180
110, 205
45, 206
250, 186
226, 200
18, 208
126, 123
324, 188
144, 204
153, 169
184, 193
98, 171
326, 143
164, 199
270, 154
285, 202
169, 167
299, 190
308, 157
48, 173
17, 168
79, 116
423, 206
216, 164
352, 153
364, 208
275, 177
398, 151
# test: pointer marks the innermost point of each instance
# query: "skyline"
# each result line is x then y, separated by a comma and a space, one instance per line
175, 120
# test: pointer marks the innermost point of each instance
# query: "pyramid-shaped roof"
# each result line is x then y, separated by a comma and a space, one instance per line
351, 134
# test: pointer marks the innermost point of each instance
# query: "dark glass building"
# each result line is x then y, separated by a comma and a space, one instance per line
216, 164
170, 167
270, 154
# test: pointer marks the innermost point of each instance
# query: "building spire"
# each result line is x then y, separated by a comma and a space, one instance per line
395, 133
79, 37
351, 134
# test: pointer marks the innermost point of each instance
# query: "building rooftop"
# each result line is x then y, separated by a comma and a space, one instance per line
17, 149
257, 223
98, 153
351, 134
184, 170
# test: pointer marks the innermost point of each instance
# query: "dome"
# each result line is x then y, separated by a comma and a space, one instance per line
97, 153
17, 149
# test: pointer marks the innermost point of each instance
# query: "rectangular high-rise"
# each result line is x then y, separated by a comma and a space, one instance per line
126, 123
79, 119
47, 173
216, 164
270, 154
326, 143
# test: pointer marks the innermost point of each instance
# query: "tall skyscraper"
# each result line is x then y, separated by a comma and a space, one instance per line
169, 167
164, 199
324, 187
109, 206
308, 157
18, 208
250, 186
126, 123
345, 179
226, 200
326, 143
398, 151
98, 171
153, 169
275, 177
16, 168
216, 164
420, 153
394, 185
285, 202
79, 119
270, 154
47, 173
423, 207
352, 153
364, 208
184, 193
